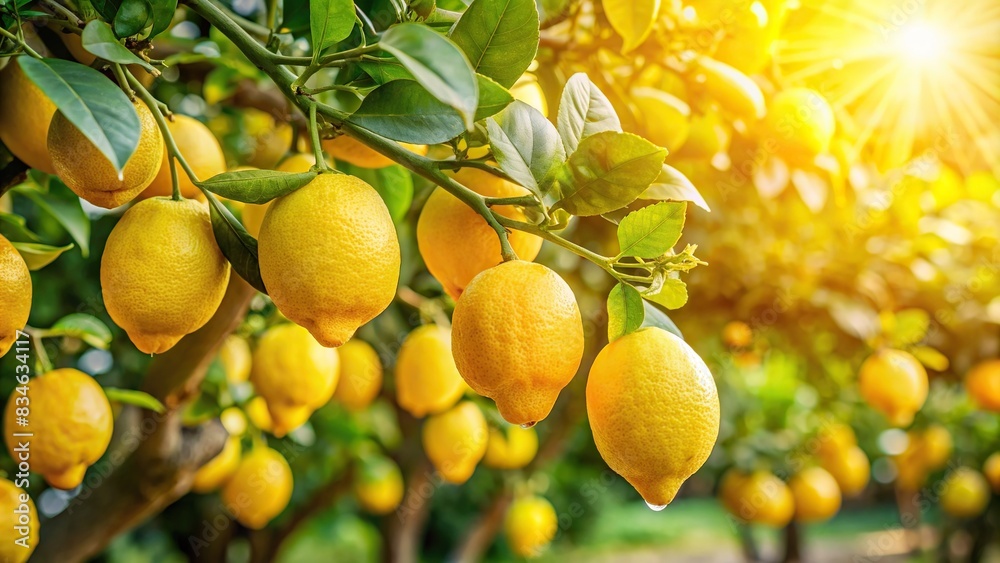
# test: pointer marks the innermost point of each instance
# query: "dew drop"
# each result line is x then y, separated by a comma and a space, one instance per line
656, 507
528, 425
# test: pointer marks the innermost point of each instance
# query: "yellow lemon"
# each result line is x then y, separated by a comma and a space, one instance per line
965, 493
162, 273
70, 423
456, 243
455, 441
512, 447
894, 383
759, 497
294, 374
816, 495
799, 125
219, 469
270, 139
360, 374
200, 149
737, 334
935, 445
851, 469
352, 151
235, 357
25, 116
260, 489
707, 136
329, 256
530, 525
260, 417
666, 117
834, 439
15, 294
379, 486
911, 473
19, 522
654, 377
982, 383
528, 90
517, 338
991, 469
427, 381
735, 91
253, 213
86, 171
234, 421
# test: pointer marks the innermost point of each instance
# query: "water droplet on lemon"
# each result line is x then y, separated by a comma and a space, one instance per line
528, 425
656, 507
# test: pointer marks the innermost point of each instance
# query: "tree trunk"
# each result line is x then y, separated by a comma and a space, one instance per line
793, 543
479, 538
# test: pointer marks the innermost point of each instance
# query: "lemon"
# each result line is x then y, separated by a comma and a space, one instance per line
707, 136
17, 510
456, 243
234, 354
665, 116
86, 171
200, 149
162, 273
816, 495
517, 338
379, 486
269, 139
360, 374
234, 421
329, 256
834, 439
260, 489
25, 118
911, 473
15, 294
737, 334
512, 447
759, 497
256, 411
528, 90
253, 213
965, 493
294, 374
982, 383
934, 446
991, 469
70, 423
800, 125
352, 151
894, 383
733, 90
530, 525
654, 411
427, 381
851, 469
455, 441
219, 469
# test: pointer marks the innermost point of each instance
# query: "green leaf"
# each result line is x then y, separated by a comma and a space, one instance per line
500, 37
38, 256
393, 183
15, 228
672, 295
236, 244
88, 328
674, 186
135, 398
99, 39
330, 21
910, 327
133, 17
656, 317
385, 70
526, 145
584, 111
163, 14
62, 205
256, 186
437, 64
493, 98
651, 231
403, 110
625, 311
91, 102
107, 8
608, 171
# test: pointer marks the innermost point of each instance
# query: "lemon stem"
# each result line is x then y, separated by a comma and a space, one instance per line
24, 45
122, 81
316, 146
44, 364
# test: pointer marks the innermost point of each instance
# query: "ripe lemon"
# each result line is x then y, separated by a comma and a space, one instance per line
427, 381
911, 473
70, 422
733, 90
816, 495
654, 411
86, 171
234, 354
759, 497
518, 338
329, 256
294, 374
934, 445
737, 334
894, 383
834, 439
530, 525
15, 294
360, 374
528, 90
256, 411
456, 243
200, 149
982, 383
965, 493
269, 138
851, 469
13, 516
455, 441
665, 116
260, 489
707, 136
162, 273
512, 447
991, 469
379, 486
253, 213
25, 116
352, 151
799, 125
219, 469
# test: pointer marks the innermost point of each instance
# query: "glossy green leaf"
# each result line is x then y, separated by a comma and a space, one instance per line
651, 231
493, 98
330, 22
656, 317
672, 294
107, 8
385, 70
500, 37
674, 186
91, 102
62, 205
163, 15
100, 40
237, 245
133, 17
625, 311
38, 256
256, 186
403, 110
526, 145
88, 328
393, 183
135, 398
14, 228
584, 111
608, 171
